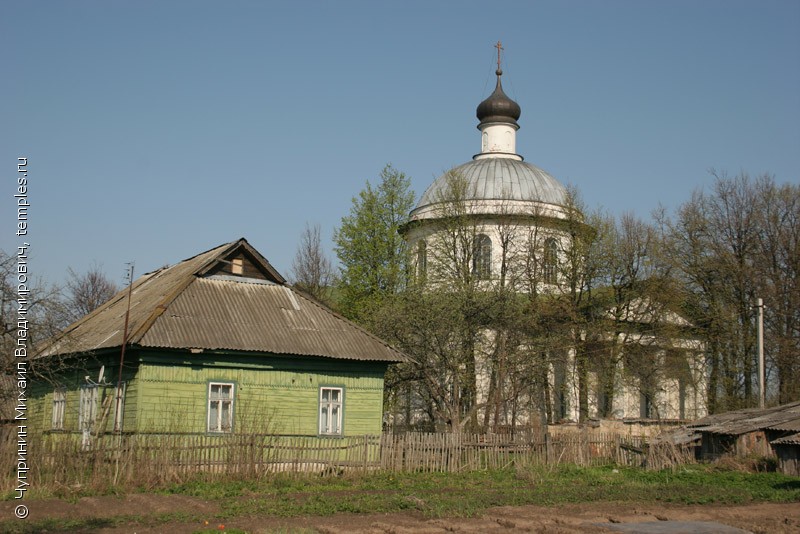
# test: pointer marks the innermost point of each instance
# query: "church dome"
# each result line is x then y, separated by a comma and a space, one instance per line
498, 107
497, 180
493, 184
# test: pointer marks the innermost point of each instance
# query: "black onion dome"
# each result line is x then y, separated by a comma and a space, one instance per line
498, 107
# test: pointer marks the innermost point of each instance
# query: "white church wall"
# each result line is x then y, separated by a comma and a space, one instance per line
525, 225
498, 140
516, 244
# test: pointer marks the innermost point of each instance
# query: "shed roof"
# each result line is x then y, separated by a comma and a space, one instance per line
196, 305
784, 417
791, 439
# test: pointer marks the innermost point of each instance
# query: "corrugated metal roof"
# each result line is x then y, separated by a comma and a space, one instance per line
182, 307
792, 439
783, 417
792, 425
223, 314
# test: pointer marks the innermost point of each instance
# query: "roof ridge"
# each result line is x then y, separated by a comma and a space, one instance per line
220, 251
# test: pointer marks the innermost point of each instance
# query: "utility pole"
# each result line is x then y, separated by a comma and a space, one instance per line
118, 413
762, 377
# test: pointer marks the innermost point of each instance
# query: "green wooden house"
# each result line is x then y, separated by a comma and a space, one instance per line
217, 344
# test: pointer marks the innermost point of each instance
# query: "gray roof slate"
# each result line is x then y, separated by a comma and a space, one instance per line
737, 422
187, 307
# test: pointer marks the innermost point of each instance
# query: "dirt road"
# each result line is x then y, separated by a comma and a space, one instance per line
105, 513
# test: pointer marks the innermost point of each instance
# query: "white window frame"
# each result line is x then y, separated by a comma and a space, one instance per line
550, 261
87, 411
331, 411
482, 257
59, 405
119, 405
216, 401
422, 258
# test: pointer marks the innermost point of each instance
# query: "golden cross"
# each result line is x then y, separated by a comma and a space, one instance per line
499, 47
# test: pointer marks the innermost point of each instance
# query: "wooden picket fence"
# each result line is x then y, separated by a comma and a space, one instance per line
446, 452
157, 460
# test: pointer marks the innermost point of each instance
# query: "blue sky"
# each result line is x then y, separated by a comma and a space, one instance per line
157, 130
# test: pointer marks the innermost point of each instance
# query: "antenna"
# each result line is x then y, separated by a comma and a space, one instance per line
128, 275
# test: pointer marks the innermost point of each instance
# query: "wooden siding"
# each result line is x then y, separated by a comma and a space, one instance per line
250, 269
175, 398
788, 458
37, 401
40, 411
165, 393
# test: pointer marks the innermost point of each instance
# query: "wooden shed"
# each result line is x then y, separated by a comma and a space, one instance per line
788, 451
750, 432
217, 344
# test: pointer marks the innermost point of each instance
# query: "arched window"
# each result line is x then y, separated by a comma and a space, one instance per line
422, 258
482, 256
550, 262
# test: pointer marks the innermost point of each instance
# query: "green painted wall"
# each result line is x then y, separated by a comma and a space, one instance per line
275, 395
40, 411
168, 392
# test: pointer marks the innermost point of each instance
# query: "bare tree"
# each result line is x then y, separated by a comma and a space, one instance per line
312, 271
731, 245
41, 314
86, 292
779, 280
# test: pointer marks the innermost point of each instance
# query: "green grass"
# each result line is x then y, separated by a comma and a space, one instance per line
61, 525
469, 494
455, 494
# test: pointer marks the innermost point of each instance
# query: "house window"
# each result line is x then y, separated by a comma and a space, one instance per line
87, 411
550, 263
59, 403
646, 406
422, 258
220, 407
482, 257
330, 411
119, 406
237, 266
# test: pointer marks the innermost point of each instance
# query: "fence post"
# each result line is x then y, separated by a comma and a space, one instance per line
547, 448
366, 452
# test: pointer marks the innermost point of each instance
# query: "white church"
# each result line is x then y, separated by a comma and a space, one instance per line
522, 224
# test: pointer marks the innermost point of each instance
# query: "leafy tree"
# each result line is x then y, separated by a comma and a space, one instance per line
371, 251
